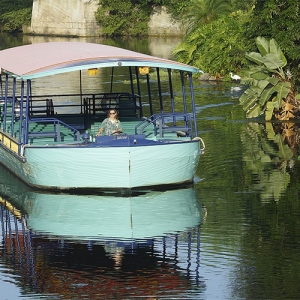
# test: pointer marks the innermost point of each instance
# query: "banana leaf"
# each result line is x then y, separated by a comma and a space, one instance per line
275, 49
273, 80
277, 102
272, 62
254, 111
254, 69
262, 84
249, 97
255, 57
260, 75
277, 71
262, 45
283, 88
265, 96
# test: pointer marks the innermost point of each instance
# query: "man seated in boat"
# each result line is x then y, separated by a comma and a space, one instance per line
111, 125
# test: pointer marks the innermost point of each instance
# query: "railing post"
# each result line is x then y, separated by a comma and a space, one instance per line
58, 137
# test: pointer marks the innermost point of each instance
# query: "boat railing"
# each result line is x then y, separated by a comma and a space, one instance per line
127, 104
87, 104
44, 106
37, 107
180, 123
55, 133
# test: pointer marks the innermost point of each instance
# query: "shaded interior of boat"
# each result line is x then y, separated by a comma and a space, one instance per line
150, 109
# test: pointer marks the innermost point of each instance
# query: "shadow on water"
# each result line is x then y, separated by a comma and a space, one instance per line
100, 246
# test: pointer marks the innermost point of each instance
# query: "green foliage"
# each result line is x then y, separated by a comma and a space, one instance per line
13, 21
11, 5
14, 14
131, 17
217, 47
267, 80
206, 11
123, 17
178, 9
279, 20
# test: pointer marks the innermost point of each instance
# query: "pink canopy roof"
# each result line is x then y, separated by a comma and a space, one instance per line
37, 60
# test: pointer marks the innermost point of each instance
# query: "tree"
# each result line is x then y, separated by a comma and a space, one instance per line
217, 47
205, 12
14, 14
215, 40
270, 88
278, 19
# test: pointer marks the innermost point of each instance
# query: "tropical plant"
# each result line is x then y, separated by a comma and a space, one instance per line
205, 12
270, 88
279, 20
218, 47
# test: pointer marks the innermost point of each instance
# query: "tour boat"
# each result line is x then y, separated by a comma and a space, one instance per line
54, 97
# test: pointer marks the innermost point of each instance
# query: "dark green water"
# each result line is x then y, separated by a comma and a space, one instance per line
234, 236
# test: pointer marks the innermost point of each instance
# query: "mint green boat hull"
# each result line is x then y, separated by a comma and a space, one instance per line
79, 167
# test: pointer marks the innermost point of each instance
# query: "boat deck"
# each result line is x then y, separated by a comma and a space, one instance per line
48, 126
51, 133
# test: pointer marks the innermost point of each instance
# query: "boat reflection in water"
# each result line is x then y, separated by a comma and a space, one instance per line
110, 246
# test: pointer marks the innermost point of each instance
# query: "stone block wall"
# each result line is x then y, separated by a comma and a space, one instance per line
64, 17
161, 23
76, 18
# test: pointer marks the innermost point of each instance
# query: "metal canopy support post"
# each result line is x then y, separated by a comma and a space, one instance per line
80, 84
131, 81
193, 103
5, 102
28, 92
112, 79
20, 138
149, 95
171, 95
159, 91
171, 90
183, 91
139, 91
13, 104
1, 86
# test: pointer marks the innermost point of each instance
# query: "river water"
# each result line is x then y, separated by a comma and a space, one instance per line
234, 234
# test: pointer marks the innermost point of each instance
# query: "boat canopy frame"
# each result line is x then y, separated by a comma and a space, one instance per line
18, 105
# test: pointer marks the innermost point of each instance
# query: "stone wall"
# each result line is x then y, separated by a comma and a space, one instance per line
64, 17
76, 18
161, 23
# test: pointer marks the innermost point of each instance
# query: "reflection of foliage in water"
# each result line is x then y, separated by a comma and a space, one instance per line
269, 159
290, 133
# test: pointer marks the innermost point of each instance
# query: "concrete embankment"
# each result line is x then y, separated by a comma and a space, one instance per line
76, 18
